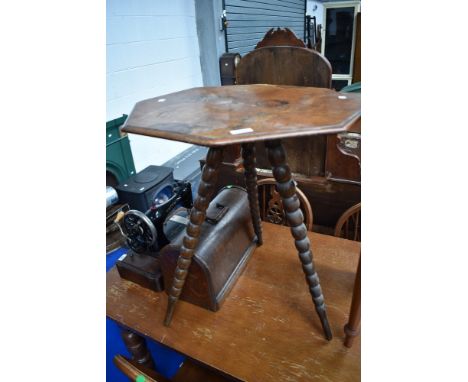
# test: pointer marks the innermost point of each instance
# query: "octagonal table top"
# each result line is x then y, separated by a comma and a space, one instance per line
219, 116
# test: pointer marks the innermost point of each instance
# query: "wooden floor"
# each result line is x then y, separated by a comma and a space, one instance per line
267, 329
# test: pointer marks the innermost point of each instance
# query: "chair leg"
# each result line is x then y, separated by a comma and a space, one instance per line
192, 233
250, 173
352, 328
136, 346
287, 190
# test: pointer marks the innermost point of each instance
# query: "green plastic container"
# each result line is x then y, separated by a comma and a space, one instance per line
119, 159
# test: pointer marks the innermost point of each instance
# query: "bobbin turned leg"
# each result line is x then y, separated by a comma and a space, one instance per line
352, 328
287, 190
192, 233
250, 173
136, 346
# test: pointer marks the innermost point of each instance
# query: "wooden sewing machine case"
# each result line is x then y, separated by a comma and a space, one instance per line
226, 242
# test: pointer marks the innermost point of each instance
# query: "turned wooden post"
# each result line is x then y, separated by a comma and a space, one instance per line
136, 345
192, 233
352, 328
287, 190
250, 174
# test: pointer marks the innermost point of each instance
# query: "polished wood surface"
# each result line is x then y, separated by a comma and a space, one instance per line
266, 329
218, 116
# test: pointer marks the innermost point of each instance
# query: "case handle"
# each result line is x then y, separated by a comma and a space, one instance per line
219, 212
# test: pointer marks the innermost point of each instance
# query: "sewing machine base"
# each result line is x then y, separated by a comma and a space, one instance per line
141, 269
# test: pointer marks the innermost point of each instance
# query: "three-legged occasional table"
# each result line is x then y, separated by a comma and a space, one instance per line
221, 116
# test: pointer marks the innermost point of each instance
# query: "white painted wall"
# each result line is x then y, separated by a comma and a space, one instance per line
152, 49
318, 13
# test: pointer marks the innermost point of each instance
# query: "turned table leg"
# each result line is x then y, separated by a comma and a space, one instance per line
250, 173
192, 233
287, 190
352, 328
136, 345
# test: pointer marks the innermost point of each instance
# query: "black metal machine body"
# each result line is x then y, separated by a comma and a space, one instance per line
141, 190
148, 230
145, 232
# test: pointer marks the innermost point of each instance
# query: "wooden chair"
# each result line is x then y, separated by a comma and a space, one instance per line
349, 224
282, 59
349, 227
271, 206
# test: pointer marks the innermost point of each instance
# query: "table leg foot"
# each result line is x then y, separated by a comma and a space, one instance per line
136, 346
250, 173
287, 190
192, 233
352, 328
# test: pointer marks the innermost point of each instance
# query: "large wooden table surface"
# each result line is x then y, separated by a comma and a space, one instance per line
267, 329
219, 116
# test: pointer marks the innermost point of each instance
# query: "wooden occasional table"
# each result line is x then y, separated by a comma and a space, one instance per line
221, 116
263, 330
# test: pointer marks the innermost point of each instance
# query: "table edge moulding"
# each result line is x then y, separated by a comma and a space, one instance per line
226, 115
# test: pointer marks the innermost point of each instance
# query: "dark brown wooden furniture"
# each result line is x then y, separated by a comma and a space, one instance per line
329, 179
263, 331
221, 116
189, 372
133, 370
353, 326
349, 226
271, 206
227, 240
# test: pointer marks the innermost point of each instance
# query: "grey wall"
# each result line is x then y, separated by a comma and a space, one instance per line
210, 38
152, 49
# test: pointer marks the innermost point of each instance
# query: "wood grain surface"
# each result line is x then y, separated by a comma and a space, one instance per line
284, 65
267, 329
218, 116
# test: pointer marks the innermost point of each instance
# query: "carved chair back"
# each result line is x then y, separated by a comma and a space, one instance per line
280, 58
271, 206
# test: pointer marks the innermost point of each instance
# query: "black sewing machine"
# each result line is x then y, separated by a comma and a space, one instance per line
146, 233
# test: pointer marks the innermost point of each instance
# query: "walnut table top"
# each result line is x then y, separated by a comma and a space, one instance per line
219, 116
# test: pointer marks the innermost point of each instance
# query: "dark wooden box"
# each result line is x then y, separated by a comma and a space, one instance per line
141, 269
226, 242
